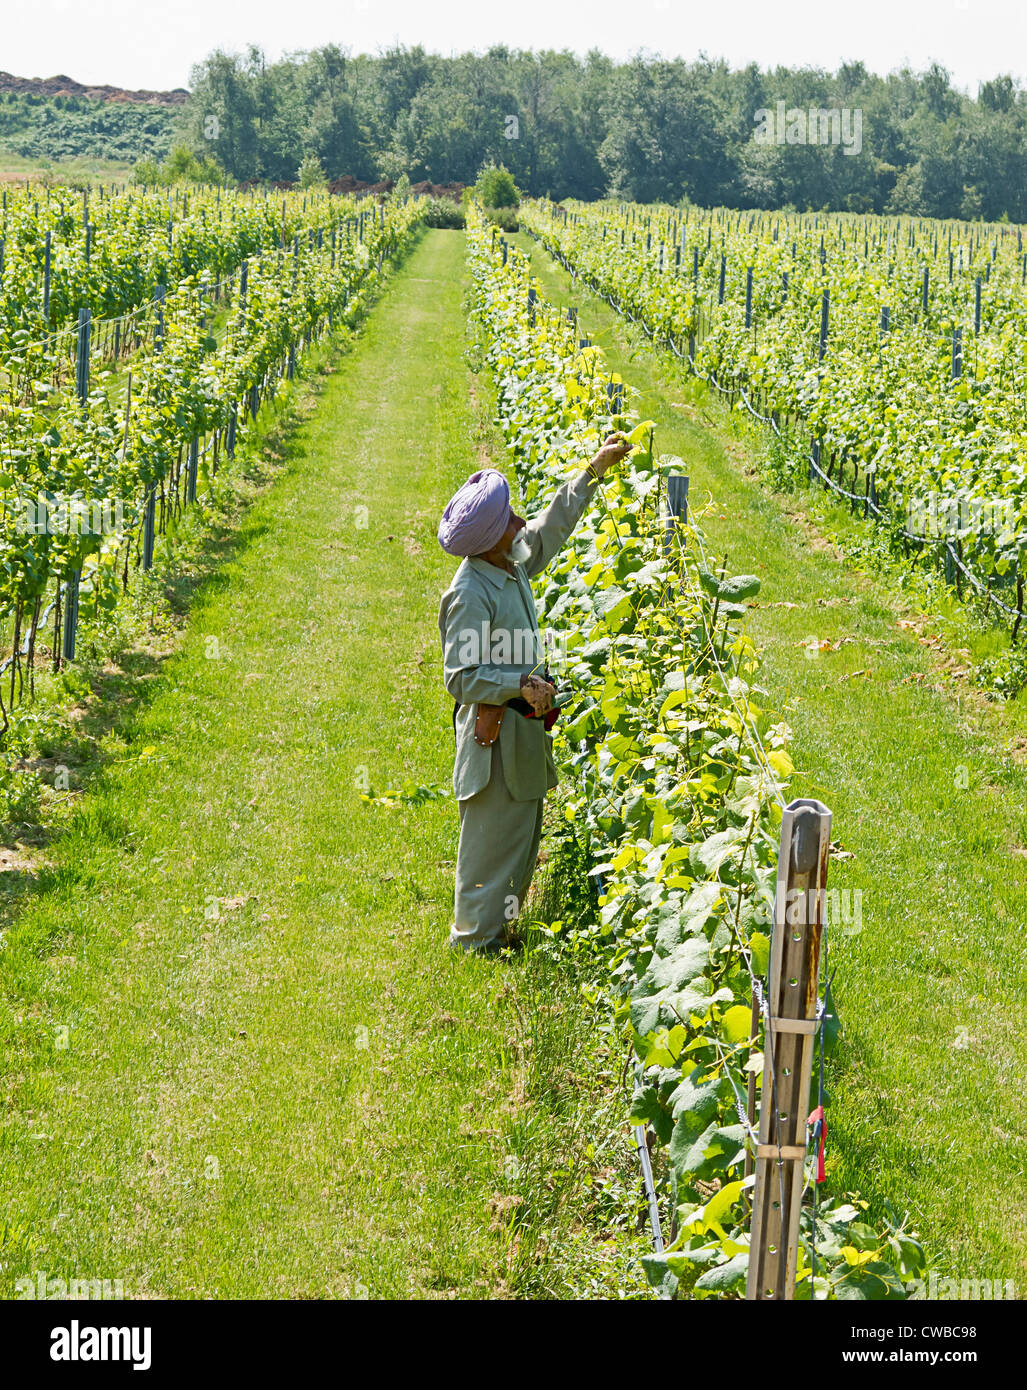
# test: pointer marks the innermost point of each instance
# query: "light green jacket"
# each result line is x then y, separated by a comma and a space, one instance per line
490, 637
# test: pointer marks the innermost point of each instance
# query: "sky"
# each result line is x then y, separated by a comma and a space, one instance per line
154, 43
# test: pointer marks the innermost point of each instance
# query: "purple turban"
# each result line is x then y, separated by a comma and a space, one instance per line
477, 515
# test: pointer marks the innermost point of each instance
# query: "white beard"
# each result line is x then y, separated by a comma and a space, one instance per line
520, 549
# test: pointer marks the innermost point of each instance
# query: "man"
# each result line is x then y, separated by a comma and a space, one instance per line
493, 663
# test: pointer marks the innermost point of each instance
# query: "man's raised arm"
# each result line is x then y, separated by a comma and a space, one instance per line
548, 533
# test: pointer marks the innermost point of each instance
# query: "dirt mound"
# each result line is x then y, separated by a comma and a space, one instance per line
348, 184
439, 190
64, 86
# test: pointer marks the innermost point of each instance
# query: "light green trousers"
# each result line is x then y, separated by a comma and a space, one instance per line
499, 840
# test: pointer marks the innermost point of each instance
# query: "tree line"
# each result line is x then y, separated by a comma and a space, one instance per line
647, 129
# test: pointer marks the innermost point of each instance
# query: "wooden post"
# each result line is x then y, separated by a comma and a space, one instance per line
70, 616
824, 313
148, 528
46, 280
950, 565
128, 416
677, 508
194, 465
82, 356
790, 1024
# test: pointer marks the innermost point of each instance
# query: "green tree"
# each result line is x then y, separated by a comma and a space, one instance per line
311, 172
496, 188
221, 116
667, 136
331, 130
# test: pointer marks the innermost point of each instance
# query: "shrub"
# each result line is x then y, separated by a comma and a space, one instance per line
146, 170
443, 212
496, 188
181, 166
504, 218
19, 798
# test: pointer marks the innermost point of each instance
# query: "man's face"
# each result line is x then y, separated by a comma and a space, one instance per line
509, 548
517, 523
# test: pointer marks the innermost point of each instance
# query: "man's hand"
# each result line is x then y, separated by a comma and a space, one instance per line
538, 693
615, 448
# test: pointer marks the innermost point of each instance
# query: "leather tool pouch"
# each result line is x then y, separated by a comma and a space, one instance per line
489, 718
487, 724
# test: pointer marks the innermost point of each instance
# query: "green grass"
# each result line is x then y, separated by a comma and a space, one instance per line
927, 1106
240, 1059
82, 169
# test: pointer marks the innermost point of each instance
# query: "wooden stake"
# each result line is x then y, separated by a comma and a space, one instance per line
788, 1048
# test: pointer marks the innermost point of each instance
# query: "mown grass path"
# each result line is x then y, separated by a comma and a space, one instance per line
277, 1080
927, 1108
